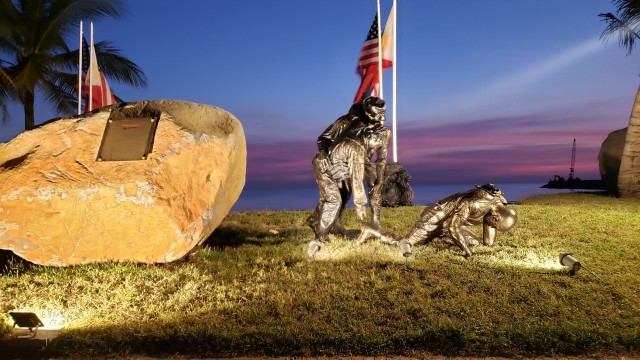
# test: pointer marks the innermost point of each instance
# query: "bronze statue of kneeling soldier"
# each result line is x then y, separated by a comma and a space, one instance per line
447, 220
345, 151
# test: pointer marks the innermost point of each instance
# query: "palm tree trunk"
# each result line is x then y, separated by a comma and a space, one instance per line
629, 174
29, 117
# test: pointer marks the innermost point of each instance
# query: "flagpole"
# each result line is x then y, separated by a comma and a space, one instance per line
393, 89
90, 71
379, 52
80, 72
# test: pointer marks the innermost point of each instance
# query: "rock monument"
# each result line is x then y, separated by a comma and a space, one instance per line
396, 190
142, 182
609, 159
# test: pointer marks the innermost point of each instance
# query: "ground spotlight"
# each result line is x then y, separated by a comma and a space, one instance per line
573, 264
405, 248
314, 247
27, 320
570, 262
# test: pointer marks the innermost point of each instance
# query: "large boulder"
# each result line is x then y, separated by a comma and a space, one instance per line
609, 159
63, 202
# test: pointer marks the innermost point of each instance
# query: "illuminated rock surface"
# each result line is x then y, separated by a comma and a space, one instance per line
609, 158
60, 206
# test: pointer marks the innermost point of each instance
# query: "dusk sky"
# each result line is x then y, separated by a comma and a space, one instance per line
487, 90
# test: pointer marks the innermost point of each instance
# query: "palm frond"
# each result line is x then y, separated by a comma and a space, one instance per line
625, 23
7, 93
67, 15
35, 55
60, 90
4, 99
118, 67
111, 63
626, 34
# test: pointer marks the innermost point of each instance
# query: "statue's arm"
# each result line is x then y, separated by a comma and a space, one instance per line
382, 151
381, 164
456, 229
381, 158
488, 232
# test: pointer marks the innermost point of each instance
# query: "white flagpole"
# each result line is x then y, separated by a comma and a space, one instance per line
393, 96
80, 72
90, 71
379, 52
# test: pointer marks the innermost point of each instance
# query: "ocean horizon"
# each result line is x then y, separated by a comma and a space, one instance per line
307, 198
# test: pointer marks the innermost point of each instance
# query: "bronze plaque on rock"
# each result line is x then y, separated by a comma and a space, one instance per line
127, 139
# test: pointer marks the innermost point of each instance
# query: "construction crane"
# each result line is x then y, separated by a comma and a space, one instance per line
573, 160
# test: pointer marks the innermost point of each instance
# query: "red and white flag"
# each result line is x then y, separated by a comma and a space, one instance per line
368, 61
92, 77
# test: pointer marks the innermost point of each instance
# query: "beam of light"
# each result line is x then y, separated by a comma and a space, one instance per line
496, 256
504, 87
343, 249
527, 76
524, 258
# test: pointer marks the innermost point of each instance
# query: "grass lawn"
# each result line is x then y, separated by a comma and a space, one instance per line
252, 291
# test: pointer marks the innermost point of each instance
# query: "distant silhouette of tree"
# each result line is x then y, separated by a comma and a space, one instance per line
34, 55
626, 24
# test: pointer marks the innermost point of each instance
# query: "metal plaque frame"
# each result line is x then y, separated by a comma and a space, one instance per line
127, 139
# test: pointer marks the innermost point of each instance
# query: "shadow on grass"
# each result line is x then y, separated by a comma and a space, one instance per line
219, 337
215, 341
236, 236
10, 263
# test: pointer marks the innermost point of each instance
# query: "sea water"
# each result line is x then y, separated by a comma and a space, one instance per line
307, 198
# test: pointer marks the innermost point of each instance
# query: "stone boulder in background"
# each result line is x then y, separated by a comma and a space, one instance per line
60, 205
396, 190
609, 159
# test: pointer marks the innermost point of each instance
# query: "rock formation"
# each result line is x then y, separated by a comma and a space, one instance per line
62, 204
609, 159
396, 190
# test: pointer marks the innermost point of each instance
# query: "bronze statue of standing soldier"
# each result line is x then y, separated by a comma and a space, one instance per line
345, 151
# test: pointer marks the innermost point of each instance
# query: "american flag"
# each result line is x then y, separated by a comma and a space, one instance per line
85, 69
369, 52
101, 93
368, 64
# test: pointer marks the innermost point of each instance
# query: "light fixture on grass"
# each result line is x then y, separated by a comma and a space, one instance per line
26, 320
570, 262
405, 248
573, 264
314, 247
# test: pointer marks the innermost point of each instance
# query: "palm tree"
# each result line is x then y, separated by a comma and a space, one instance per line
34, 55
626, 23
5, 83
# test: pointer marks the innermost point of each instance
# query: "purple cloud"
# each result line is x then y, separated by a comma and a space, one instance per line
499, 150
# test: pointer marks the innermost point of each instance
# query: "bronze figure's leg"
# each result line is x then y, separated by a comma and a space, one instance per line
329, 207
468, 237
345, 195
456, 232
312, 220
367, 231
430, 221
